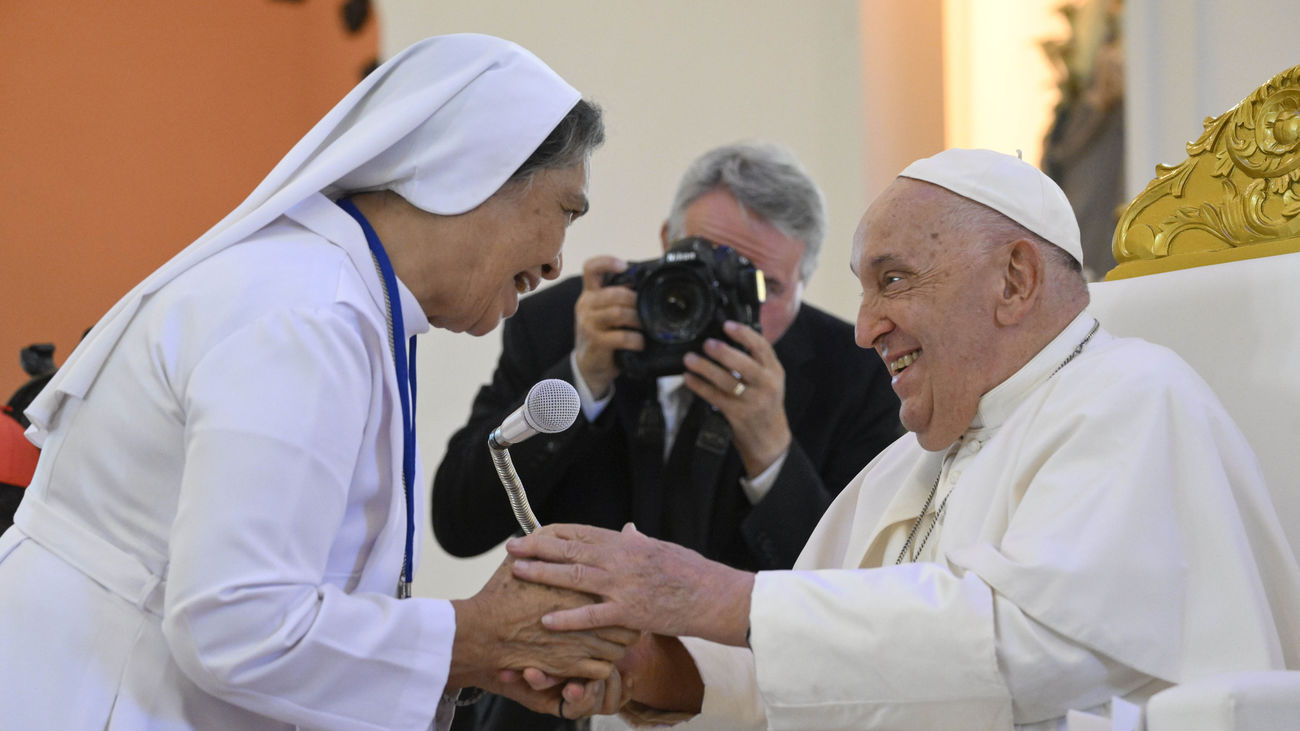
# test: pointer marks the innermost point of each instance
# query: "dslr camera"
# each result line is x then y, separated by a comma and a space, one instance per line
683, 298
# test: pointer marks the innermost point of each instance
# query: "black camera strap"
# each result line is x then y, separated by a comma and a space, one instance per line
691, 474
647, 466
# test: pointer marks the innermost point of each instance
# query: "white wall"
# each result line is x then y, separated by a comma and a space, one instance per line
675, 77
1192, 59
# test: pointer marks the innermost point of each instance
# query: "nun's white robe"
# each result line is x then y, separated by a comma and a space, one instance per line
215, 531
1108, 533
231, 562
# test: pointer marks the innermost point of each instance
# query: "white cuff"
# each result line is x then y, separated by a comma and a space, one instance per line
591, 406
731, 695
756, 488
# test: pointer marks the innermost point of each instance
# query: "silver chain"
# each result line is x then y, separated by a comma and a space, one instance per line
912, 533
934, 489
1079, 348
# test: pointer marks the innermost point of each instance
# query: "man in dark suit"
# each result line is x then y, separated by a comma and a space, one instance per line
739, 457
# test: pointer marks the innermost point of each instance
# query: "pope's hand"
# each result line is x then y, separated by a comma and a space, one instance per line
643, 583
542, 692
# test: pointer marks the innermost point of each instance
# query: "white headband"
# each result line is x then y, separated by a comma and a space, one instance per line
443, 124
1009, 186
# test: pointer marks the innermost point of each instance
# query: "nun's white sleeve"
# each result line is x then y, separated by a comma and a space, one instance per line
267, 605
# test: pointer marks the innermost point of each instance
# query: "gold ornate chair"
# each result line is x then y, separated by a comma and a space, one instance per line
1209, 265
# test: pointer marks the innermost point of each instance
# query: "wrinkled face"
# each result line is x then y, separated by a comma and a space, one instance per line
717, 217
475, 265
928, 297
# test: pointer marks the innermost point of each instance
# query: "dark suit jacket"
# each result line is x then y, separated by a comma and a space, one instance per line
838, 401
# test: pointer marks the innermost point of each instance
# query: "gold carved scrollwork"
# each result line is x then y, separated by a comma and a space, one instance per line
1238, 187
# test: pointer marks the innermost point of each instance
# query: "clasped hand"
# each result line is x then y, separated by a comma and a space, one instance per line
502, 646
661, 588
643, 583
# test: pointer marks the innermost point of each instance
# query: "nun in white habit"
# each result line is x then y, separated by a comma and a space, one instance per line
221, 528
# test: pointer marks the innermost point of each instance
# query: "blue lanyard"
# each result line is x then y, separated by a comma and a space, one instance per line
405, 385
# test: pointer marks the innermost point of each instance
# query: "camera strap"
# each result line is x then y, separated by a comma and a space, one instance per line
690, 483
715, 434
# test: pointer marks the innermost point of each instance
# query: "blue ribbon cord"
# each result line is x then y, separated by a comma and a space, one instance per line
405, 378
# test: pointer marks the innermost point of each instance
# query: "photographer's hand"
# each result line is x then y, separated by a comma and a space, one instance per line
755, 411
604, 320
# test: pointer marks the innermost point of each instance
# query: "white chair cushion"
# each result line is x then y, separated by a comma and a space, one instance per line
1257, 701
1238, 325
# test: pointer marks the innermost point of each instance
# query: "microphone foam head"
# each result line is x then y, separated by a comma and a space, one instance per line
551, 406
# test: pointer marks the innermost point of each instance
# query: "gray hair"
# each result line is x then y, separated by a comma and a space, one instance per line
572, 141
766, 180
995, 229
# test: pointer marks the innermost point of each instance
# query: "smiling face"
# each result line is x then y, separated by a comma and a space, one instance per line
929, 294
717, 217
467, 271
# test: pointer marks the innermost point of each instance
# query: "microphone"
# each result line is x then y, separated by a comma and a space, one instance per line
551, 406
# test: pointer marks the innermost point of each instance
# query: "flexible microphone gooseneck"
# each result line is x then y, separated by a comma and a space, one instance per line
551, 406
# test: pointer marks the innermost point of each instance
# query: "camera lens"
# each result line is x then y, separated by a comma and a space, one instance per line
675, 305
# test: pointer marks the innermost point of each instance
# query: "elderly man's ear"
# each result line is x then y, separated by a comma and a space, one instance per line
1022, 282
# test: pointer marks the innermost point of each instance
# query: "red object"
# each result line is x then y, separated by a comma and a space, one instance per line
17, 455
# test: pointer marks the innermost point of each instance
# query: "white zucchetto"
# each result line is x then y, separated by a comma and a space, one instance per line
1009, 186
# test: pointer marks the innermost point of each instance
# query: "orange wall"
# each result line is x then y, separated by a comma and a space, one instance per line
902, 88
130, 128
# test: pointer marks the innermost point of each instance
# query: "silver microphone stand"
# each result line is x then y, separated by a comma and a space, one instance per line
551, 406
510, 481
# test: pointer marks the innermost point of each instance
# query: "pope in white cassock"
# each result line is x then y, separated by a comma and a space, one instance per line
1072, 516
220, 531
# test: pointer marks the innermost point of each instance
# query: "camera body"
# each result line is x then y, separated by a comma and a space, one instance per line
684, 298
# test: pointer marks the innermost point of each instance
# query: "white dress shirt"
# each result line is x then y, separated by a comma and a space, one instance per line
675, 400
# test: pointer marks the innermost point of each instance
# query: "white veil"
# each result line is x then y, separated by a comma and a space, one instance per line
443, 124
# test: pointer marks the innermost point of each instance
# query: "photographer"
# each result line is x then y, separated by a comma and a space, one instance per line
740, 473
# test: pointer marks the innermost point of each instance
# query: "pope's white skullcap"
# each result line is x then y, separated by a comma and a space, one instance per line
1009, 186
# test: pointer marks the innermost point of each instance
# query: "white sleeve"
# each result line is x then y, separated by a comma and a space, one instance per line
731, 700
758, 487
274, 417
917, 647
592, 407
902, 647
1049, 674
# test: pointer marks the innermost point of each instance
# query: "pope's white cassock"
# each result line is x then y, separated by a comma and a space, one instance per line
1106, 533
